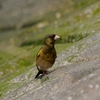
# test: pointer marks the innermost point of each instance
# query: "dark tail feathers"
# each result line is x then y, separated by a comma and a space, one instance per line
39, 72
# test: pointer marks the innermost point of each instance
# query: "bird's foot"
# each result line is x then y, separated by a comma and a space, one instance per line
45, 72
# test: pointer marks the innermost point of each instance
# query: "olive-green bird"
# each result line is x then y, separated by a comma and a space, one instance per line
47, 54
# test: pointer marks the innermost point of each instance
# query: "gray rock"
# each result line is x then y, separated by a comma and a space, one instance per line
74, 79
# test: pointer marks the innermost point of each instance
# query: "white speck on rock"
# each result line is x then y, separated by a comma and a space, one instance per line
93, 31
64, 63
97, 86
82, 91
91, 86
79, 81
91, 75
69, 98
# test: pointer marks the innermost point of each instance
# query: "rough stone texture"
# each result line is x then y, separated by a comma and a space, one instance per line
78, 79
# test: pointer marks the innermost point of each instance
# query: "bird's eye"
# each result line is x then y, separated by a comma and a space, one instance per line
49, 36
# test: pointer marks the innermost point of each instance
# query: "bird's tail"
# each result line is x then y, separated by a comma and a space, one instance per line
39, 72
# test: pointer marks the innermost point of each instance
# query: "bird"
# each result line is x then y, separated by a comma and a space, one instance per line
46, 56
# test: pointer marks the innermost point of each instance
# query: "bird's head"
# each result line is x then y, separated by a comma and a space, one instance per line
50, 39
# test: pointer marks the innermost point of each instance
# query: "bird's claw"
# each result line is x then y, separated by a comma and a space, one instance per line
45, 72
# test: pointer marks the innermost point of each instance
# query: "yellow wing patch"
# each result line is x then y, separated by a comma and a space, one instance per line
39, 53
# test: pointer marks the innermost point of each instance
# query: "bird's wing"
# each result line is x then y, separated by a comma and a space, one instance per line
46, 54
39, 53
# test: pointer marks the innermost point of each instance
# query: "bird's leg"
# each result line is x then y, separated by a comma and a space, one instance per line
45, 72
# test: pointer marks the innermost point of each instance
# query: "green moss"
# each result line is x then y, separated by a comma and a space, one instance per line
97, 10
0, 94
80, 47
26, 61
63, 46
45, 78
69, 59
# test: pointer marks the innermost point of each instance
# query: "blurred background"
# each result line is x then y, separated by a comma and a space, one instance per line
24, 23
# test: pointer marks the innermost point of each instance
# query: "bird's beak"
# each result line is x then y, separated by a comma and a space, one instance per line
56, 37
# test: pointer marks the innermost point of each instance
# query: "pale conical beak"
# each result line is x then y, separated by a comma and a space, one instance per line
56, 37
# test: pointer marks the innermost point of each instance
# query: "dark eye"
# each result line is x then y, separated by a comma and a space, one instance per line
49, 36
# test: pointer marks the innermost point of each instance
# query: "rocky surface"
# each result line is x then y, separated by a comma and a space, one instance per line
74, 76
